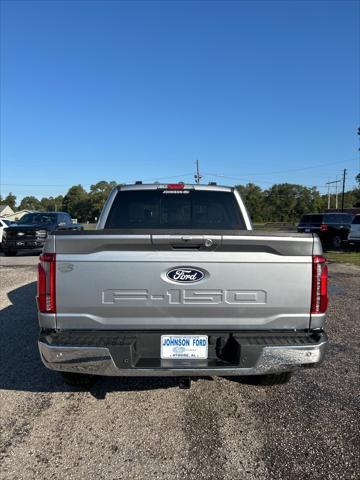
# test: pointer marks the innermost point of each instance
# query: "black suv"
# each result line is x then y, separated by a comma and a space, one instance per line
332, 228
31, 230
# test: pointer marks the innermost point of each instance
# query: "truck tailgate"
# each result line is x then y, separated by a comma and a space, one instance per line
251, 282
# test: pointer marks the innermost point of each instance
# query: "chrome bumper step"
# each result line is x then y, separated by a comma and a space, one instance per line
127, 354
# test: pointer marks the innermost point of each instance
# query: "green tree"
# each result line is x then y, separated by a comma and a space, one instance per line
48, 204
10, 200
76, 203
308, 200
52, 204
356, 192
350, 199
58, 202
30, 203
287, 202
98, 194
254, 199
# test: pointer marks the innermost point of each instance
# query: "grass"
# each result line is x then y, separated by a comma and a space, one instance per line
89, 226
343, 257
276, 226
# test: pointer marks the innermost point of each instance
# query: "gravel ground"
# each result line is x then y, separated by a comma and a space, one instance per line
149, 429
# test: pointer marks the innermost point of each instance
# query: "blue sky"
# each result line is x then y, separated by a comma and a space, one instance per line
262, 91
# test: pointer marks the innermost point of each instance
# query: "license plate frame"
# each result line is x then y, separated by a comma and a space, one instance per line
184, 347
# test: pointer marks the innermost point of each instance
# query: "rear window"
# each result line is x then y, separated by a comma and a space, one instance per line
337, 218
311, 219
37, 218
167, 209
356, 220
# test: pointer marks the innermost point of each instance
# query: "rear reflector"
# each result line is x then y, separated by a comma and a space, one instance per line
46, 295
319, 296
175, 186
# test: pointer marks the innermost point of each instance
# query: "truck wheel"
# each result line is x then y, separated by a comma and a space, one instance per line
272, 379
336, 241
78, 379
10, 253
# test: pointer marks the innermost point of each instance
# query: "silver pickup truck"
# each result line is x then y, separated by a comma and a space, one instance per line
174, 282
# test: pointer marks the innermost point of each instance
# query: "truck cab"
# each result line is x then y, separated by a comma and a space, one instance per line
31, 231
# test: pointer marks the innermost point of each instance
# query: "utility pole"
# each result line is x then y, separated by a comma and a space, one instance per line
343, 191
197, 175
336, 194
329, 196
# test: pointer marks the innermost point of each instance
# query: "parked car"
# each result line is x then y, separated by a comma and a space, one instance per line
174, 282
354, 235
31, 231
4, 223
332, 228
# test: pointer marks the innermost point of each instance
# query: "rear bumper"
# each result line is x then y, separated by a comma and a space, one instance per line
353, 240
137, 353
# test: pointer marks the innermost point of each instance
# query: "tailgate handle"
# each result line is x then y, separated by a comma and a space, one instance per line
187, 241
194, 242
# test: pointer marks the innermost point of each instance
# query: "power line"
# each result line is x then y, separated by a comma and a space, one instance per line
189, 175
41, 184
336, 192
169, 176
86, 184
207, 174
291, 170
252, 181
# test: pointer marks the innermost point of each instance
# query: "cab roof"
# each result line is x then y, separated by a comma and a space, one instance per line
175, 186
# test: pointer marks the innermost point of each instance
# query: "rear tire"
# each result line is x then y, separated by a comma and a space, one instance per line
272, 379
10, 253
336, 242
78, 379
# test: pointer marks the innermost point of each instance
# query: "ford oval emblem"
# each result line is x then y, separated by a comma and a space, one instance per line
179, 349
185, 275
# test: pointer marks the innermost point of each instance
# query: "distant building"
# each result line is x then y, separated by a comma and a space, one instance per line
5, 211
17, 215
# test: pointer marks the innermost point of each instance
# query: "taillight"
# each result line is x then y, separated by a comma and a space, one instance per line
175, 186
319, 296
46, 283
323, 227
